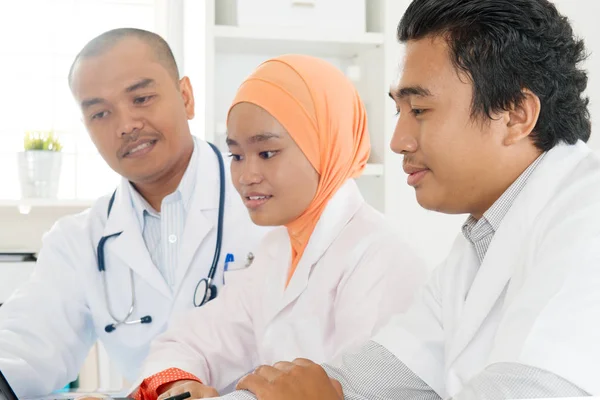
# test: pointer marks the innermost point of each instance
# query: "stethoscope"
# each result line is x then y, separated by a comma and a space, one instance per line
205, 289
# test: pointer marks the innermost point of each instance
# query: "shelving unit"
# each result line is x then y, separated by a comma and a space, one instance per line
236, 40
217, 56
47, 203
25, 206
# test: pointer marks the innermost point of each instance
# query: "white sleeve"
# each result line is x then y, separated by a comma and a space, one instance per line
516, 381
46, 329
416, 338
551, 319
383, 283
369, 372
215, 342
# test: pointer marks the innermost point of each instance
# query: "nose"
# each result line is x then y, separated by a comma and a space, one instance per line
129, 123
249, 172
404, 140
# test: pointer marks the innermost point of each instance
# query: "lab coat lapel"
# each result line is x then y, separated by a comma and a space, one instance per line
341, 208
199, 223
510, 241
459, 269
129, 246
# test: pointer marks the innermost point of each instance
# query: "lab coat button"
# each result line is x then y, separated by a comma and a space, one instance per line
172, 238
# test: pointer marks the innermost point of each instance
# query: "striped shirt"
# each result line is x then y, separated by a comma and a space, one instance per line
162, 230
480, 232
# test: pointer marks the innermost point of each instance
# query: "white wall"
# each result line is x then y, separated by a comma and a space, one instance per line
584, 18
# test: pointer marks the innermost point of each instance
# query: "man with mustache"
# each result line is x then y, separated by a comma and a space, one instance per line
122, 270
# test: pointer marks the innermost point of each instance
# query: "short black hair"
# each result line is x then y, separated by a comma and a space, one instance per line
506, 46
105, 41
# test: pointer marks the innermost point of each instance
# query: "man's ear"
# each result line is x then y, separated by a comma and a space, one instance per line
522, 118
185, 87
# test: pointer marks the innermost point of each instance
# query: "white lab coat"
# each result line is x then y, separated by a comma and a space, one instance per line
535, 300
49, 324
355, 273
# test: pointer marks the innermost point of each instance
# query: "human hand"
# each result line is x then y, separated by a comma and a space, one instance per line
299, 380
197, 390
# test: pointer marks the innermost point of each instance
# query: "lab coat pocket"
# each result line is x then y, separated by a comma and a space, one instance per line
236, 271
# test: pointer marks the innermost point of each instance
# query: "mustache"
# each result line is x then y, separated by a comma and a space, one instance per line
132, 140
410, 160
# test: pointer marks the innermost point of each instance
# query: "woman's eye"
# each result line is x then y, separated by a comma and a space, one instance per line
267, 154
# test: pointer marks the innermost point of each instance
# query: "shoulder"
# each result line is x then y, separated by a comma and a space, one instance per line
574, 210
76, 227
370, 238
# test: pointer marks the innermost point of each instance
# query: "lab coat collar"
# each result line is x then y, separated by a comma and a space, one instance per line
507, 245
338, 212
203, 211
129, 246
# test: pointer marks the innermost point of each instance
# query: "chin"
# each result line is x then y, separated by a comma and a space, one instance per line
439, 204
261, 220
427, 201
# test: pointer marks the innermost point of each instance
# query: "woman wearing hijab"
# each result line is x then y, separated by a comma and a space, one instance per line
332, 272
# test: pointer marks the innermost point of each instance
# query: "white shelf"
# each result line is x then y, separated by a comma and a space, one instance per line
59, 203
373, 170
233, 39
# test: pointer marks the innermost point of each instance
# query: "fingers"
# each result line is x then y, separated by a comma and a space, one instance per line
196, 390
284, 366
267, 372
338, 387
303, 362
253, 383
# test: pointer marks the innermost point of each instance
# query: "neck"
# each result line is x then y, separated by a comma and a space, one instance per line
508, 174
154, 192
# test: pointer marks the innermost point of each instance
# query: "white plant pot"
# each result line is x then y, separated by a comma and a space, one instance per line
39, 173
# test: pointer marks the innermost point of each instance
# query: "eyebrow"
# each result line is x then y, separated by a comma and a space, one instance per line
261, 137
401, 93
85, 104
144, 83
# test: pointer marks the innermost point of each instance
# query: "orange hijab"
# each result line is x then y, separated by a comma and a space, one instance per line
323, 113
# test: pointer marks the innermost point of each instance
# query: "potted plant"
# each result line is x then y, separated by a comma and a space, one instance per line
40, 164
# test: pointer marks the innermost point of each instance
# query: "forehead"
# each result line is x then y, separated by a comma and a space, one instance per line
114, 69
427, 64
247, 119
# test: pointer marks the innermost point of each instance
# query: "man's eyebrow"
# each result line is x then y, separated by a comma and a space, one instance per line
144, 83
403, 92
91, 102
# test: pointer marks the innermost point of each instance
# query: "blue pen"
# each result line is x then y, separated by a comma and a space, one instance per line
228, 259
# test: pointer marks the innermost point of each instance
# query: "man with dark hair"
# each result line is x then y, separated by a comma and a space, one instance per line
156, 247
493, 123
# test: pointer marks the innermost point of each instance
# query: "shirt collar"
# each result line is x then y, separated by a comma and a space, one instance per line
474, 230
184, 191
